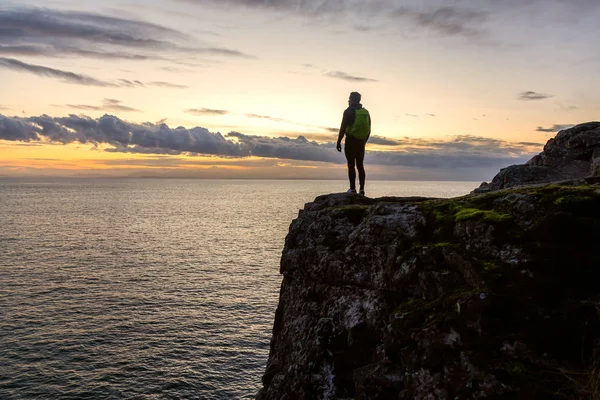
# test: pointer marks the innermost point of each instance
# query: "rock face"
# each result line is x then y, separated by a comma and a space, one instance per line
573, 154
492, 295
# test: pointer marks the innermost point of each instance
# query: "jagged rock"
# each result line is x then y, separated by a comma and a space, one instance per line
490, 295
573, 154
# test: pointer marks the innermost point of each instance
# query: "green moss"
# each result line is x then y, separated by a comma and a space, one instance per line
552, 193
439, 215
487, 215
489, 266
468, 213
442, 245
571, 199
493, 216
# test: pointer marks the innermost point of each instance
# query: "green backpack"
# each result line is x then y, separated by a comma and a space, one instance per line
360, 128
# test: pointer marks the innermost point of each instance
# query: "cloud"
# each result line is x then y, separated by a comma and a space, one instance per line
55, 33
65, 76
274, 119
107, 105
167, 85
444, 21
411, 115
383, 141
101, 29
529, 95
221, 51
176, 69
206, 111
568, 107
59, 51
431, 115
555, 128
128, 83
78, 79
286, 148
530, 144
346, 77
287, 121
124, 136
447, 21
463, 151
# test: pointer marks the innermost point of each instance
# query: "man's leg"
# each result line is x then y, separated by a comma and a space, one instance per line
349, 151
360, 157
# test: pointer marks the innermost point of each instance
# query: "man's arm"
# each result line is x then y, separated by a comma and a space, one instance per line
369, 135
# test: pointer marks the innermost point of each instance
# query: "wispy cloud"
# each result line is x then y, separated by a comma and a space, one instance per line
347, 77
290, 122
206, 111
448, 20
65, 76
463, 151
274, 119
56, 33
107, 105
59, 51
167, 85
431, 115
128, 83
568, 107
75, 78
529, 95
466, 20
411, 115
554, 128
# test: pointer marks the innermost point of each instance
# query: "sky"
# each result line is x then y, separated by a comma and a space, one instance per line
257, 88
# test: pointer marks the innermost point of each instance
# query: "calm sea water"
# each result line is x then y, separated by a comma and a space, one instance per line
147, 289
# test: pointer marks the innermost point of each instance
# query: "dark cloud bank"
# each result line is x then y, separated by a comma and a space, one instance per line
460, 152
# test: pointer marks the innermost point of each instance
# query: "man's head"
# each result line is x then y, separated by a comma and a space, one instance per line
354, 98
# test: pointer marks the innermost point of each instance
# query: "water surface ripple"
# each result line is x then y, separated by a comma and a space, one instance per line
146, 289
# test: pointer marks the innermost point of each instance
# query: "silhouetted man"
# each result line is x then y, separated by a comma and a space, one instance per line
356, 125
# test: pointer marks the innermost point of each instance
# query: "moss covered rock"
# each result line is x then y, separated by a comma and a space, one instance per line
491, 295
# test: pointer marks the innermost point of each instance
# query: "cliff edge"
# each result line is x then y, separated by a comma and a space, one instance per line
491, 295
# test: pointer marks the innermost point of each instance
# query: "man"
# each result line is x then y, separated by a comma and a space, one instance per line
356, 125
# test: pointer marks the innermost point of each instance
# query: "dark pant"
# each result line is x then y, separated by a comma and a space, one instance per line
355, 154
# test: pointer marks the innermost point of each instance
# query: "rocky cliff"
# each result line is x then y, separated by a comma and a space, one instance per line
491, 295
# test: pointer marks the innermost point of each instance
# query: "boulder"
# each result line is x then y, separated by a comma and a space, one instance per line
573, 154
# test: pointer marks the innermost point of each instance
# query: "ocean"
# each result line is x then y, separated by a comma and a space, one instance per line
148, 288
